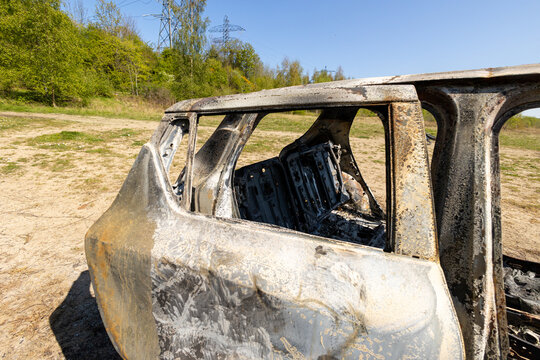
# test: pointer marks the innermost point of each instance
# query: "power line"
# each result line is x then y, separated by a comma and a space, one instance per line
125, 3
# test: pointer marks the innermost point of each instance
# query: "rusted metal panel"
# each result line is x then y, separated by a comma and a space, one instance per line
226, 295
118, 250
413, 232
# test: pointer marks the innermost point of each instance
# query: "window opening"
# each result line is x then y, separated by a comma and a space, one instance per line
313, 184
173, 147
272, 134
430, 125
519, 154
367, 138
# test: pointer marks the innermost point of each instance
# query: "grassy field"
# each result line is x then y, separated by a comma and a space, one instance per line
59, 174
122, 106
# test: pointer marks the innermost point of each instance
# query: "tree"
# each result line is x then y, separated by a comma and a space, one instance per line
50, 56
290, 73
43, 47
77, 11
264, 78
191, 36
339, 75
321, 76
246, 59
115, 49
10, 56
109, 17
238, 55
124, 62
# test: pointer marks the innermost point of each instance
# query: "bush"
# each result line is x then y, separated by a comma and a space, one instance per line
520, 121
159, 95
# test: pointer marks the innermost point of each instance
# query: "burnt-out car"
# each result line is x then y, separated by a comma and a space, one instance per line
232, 262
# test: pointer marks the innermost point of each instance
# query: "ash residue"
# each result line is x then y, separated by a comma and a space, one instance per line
348, 226
522, 289
524, 285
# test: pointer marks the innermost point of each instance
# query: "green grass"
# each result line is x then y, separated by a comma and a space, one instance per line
60, 165
367, 128
285, 122
118, 107
102, 151
17, 123
521, 139
10, 168
75, 140
68, 136
92, 182
430, 127
263, 145
527, 206
508, 167
363, 127
138, 143
123, 133
521, 132
9, 123
64, 140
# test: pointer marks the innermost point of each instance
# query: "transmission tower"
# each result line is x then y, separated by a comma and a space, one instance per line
168, 26
225, 29
329, 71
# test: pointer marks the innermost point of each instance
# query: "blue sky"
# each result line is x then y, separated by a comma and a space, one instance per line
373, 37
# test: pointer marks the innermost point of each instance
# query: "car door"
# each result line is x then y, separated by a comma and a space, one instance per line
172, 282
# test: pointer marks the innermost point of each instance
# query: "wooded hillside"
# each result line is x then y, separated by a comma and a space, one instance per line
53, 56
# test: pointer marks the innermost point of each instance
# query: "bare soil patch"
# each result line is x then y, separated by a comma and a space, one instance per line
59, 173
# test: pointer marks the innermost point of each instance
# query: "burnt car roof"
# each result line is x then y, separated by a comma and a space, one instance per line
308, 96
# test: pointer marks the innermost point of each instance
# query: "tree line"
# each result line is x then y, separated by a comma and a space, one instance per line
55, 56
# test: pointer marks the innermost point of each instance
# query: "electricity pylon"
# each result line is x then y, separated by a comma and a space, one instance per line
168, 25
225, 29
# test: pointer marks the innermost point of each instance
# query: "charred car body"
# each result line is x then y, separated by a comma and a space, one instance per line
235, 263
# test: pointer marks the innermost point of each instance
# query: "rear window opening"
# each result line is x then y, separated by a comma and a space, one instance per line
295, 170
304, 187
430, 124
305, 190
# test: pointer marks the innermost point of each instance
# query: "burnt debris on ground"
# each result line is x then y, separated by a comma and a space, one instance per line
522, 292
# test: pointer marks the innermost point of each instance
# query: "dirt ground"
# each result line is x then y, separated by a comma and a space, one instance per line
59, 173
